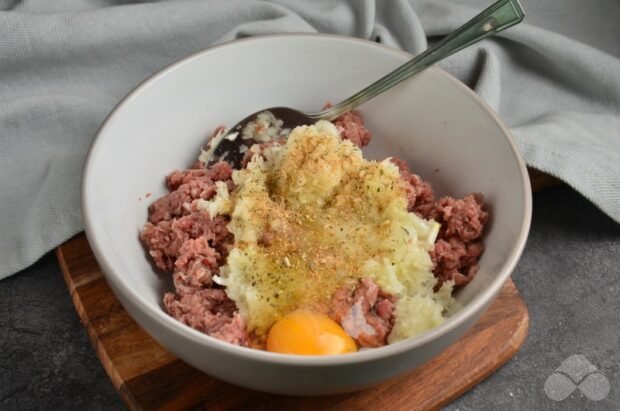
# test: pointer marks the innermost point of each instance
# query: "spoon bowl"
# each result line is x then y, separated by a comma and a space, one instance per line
231, 145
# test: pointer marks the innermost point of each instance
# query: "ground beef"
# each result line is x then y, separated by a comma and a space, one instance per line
165, 239
163, 243
365, 312
419, 192
186, 186
210, 311
195, 266
351, 127
220, 171
459, 245
456, 260
463, 218
199, 224
185, 240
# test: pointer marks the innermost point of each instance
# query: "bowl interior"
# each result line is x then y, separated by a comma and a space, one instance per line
431, 121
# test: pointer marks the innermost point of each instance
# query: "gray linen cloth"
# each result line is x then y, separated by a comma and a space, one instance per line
64, 64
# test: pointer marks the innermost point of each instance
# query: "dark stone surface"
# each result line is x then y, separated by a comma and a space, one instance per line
569, 276
46, 359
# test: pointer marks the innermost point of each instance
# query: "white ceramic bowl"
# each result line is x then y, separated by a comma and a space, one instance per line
433, 121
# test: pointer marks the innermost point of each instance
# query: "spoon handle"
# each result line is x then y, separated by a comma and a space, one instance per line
499, 16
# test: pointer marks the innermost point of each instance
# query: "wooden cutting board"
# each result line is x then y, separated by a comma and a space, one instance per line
148, 377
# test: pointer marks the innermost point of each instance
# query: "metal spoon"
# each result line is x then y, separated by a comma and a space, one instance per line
229, 145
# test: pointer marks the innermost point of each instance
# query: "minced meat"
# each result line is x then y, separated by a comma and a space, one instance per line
351, 127
185, 240
365, 312
210, 311
186, 186
459, 243
419, 192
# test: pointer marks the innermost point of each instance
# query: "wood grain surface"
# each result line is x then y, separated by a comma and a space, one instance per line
148, 377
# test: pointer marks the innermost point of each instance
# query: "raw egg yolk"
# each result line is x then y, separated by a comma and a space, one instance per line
307, 333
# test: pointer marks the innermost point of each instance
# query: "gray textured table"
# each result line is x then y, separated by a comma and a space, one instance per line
569, 276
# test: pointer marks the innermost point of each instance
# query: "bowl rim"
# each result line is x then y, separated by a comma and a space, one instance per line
162, 319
